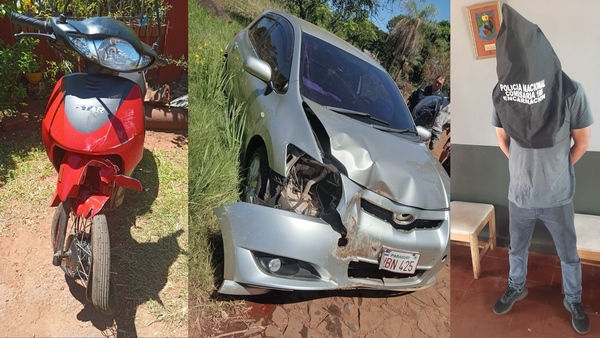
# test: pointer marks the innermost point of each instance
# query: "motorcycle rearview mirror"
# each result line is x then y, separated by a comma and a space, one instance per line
424, 133
63, 16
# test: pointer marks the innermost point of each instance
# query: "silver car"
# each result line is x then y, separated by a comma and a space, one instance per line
340, 190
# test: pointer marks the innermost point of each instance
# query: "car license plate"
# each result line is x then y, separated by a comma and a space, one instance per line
399, 261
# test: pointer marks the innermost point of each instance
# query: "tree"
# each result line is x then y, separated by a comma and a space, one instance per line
352, 10
436, 53
341, 10
309, 10
348, 19
405, 37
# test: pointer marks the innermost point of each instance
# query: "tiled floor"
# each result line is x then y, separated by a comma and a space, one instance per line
541, 314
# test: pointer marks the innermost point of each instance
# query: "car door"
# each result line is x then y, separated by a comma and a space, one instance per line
271, 40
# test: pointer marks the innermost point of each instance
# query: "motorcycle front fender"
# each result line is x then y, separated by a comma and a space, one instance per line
91, 198
70, 177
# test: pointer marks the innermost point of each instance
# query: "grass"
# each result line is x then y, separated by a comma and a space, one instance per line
27, 181
214, 158
151, 238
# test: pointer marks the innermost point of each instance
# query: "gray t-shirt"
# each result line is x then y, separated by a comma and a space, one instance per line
545, 178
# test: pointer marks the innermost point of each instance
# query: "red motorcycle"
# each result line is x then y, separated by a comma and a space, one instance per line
93, 132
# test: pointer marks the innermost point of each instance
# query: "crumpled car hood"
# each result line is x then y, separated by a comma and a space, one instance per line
387, 164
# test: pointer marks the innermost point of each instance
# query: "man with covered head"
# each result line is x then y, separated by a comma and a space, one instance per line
539, 113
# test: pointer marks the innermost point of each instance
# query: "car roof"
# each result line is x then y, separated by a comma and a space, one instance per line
316, 31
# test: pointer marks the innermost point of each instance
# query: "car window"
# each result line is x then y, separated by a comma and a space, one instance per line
333, 77
260, 29
276, 49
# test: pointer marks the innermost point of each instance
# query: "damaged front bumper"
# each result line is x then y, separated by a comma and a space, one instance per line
267, 248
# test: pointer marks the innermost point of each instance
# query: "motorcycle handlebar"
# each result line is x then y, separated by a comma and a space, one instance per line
31, 22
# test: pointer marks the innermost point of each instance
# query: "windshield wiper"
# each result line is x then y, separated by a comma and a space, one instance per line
358, 113
393, 130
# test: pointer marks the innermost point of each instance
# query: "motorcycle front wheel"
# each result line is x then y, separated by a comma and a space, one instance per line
82, 249
59, 226
99, 286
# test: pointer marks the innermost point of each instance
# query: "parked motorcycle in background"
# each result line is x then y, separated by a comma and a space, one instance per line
93, 133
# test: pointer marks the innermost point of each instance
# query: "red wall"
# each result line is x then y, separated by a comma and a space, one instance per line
174, 43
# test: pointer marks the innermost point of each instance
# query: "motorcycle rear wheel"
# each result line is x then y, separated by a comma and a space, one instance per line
101, 293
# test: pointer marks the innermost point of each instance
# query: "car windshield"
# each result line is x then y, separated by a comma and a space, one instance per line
343, 82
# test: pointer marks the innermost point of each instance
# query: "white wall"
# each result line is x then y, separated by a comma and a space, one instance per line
573, 30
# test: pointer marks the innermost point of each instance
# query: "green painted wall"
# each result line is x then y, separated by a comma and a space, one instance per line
480, 174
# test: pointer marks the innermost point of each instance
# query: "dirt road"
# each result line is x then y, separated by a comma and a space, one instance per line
36, 300
336, 314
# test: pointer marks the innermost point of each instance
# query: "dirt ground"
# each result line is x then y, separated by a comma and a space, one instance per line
421, 314
36, 300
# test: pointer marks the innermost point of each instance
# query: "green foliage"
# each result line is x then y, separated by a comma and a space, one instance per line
359, 10
348, 19
28, 61
89, 8
6, 8
339, 10
182, 62
214, 139
17, 59
54, 70
362, 33
435, 53
309, 10
418, 47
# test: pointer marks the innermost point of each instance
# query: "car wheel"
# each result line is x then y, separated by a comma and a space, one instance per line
257, 176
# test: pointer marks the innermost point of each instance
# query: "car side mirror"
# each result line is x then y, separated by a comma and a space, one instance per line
261, 70
424, 133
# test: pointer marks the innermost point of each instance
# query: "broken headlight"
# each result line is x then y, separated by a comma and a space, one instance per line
311, 187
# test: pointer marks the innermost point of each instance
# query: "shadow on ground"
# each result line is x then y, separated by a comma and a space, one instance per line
139, 270
16, 143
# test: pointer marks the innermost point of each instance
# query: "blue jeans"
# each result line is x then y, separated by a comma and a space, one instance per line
560, 223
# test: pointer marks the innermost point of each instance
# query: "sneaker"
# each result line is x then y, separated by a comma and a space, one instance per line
580, 320
505, 303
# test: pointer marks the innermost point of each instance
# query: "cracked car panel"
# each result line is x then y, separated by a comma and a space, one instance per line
366, 154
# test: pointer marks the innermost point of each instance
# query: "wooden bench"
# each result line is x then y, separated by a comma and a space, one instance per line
587, 228
466, 222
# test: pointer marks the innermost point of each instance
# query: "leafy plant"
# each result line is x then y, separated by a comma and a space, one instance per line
17, 59
86, 8
6, 8
54, 70
28, 61
181, 62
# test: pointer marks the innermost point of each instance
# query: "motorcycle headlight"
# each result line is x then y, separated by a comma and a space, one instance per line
113, 53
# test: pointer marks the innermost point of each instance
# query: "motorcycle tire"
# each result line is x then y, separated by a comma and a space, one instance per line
100, 284
60, 222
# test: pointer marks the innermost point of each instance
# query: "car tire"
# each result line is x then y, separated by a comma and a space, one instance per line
257, 176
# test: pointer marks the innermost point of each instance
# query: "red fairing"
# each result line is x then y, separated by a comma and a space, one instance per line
91, 181
122, 134
55, 102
